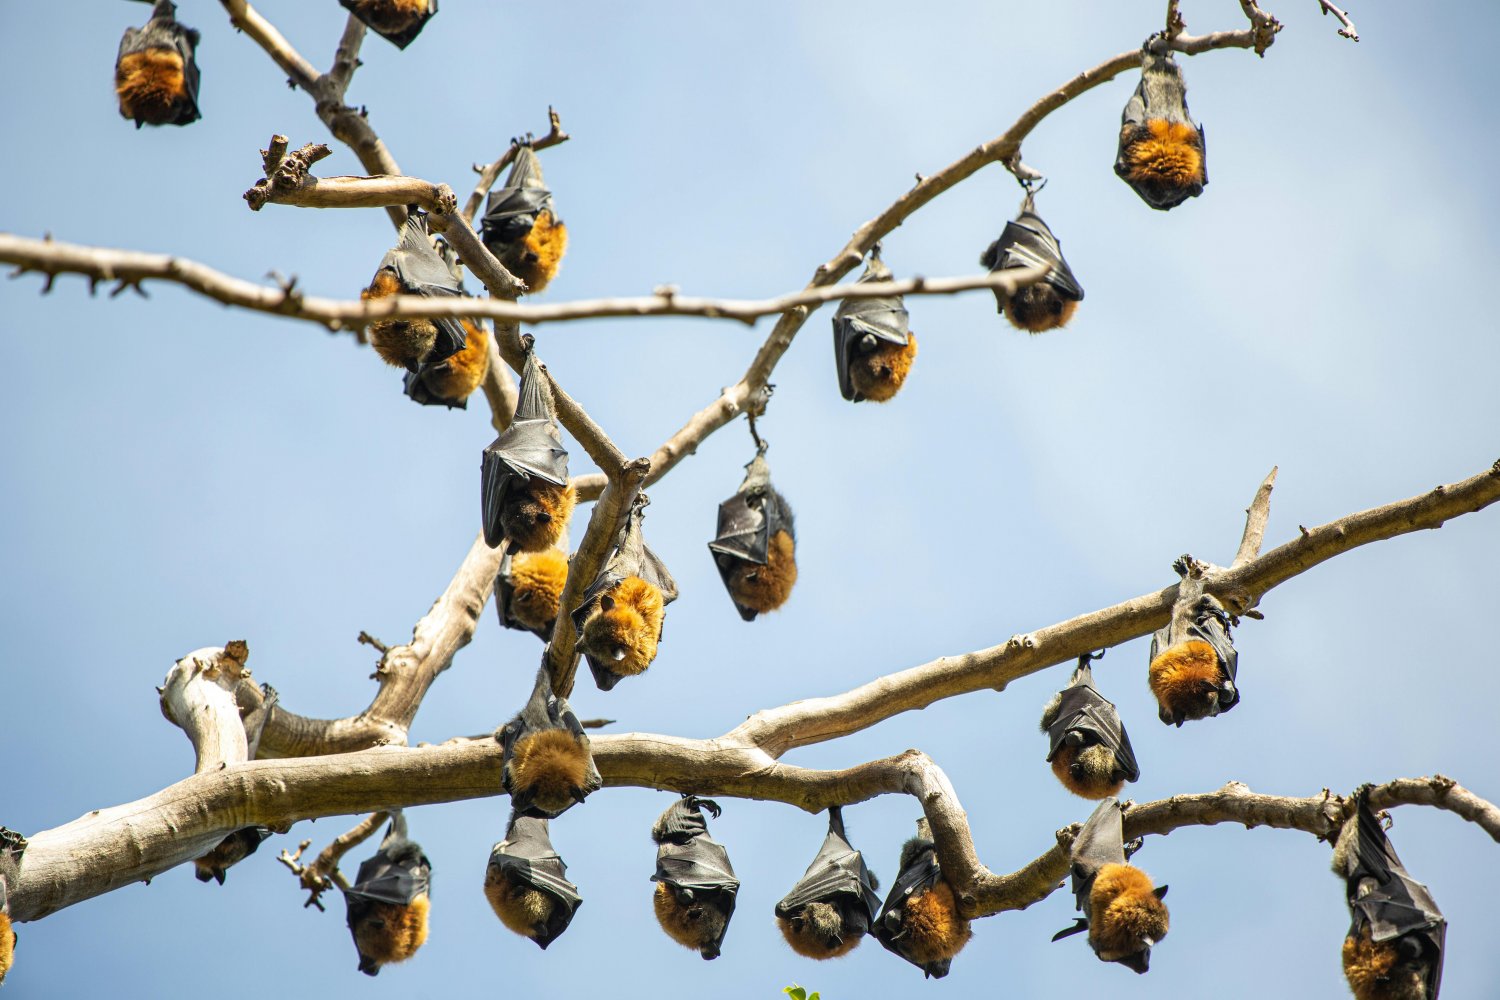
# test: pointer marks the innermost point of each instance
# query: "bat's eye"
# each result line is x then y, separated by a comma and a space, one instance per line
607, 603
543, 517
619, 653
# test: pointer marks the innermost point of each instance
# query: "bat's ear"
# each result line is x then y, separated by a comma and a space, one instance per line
1161, 892
606, 603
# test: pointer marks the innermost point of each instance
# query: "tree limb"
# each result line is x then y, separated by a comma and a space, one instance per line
1256, 516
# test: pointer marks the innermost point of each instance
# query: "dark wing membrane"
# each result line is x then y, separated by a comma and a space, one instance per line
922, 872
527, 854
701, 863
654, 571
1085, 710
743, 533
1100, 842
510, 213
422, 271
837, 870
532, 448
1028, 242
383, 880
400, 39
495, 474
417, 389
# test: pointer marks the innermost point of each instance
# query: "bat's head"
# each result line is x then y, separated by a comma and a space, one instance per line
535, 515
694, 918
820, 930
1039, 307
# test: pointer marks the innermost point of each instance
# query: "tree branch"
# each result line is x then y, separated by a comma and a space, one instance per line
1348, 30
323, 874
198, 697
1256, 516
346, 57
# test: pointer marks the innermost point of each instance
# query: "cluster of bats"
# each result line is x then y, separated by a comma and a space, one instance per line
1393, 950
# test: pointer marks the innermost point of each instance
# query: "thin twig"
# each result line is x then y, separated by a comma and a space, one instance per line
490, 174
1348, 30
1256, 516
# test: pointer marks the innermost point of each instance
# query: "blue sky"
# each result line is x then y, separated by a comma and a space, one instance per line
176, 474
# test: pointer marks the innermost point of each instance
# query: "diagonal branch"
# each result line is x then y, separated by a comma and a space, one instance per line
1256, 516
1348, 30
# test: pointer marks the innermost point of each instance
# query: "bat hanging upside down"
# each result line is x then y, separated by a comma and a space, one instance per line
1162, 152
755, 549
1089, 750
832, 907
921, 921
872, 344
388, 903
397, 21
526, 883
156, 76
1122, 911
695, 883
547, 762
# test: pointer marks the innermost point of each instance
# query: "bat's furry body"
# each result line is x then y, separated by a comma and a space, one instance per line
526, 882
695, 922
625, 627
151, 85
388, 904
766, 588
229, 852
401, 343
391, 932
1038, 308
1089, 750
7, 946
695, 883
1162, 152
1025, 242
520, 225
921, 921
389, 17
1185, 679
818, 932
537, 580
452, 380
522, 909
831, 908
548, 769
1090, 772
534, 517
880, 373
1126, 917
537, 257
1380, 970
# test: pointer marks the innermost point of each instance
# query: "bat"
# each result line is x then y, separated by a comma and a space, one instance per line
397, 21
620, 620
229, 852
1394, 949
526, 883
7, 934
449, 381
520, 224
1088, 749
156, 77
872, 345
695, 883
1027, 242
921, 921
1122, 911
1162, 152
831, 908
414, 267
1193, 660
547, 763
756, 545
389, 900
529, 589
525, 496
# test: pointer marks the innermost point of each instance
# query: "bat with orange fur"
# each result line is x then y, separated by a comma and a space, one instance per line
872, 344
756, 546
7, 935
1027, 242
388, 903
450, 381
528, 590
414, 267
524, 492
695, 883
1122, 911
620, 620
547, 764
520, 224
1193, 660
831, 908
1089, 749
156, 76
921, 921
397, 21
1163, 154
526, 883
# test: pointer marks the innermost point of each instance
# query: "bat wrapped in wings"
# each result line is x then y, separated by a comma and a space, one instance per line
831, 908
526, 883
1162, 152
547, 763
695, 883
1394, 948
921, 921
525, 496
450, 381
229, 852
1027, 242
1122, 911
397, 21
872, 344
1088, 747
520, 224
528, 590
389, 900
620, 620
414, 267
1193, 660
756, 546
156, 77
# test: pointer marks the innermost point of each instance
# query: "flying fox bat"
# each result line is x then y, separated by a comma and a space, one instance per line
388, 902
1027, 242
414, 267
156, 79
1122, 911
1162, 152
695, 883
1394, 948
525, 496
1089, 749
548, 766
450, 381
921, 921
1193, 660
229, 852
397, 21
520, 224
619, 622
831, 908
528, 590
872, 344
756, 546
526, 883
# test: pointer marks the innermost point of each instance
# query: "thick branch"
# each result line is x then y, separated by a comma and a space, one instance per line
198, 697
357, 192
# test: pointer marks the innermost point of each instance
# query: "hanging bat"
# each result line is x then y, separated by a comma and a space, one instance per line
1027, 242
528, 590
620, 620
526, 883
520, 224
229, 852
1193, 660
397, 21
695, 883
1122, 911
1162, 152
525, 496
388, 902
872, 345
156, 79
921, 921
450, 381
756, 547
1394, 949
1089, 749
7, 934
548, 766
830, 909
414, 267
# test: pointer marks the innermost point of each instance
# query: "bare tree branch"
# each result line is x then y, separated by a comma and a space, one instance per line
1348, 30
198, 697
323, 874
346, 57
1256, 516
490, 174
